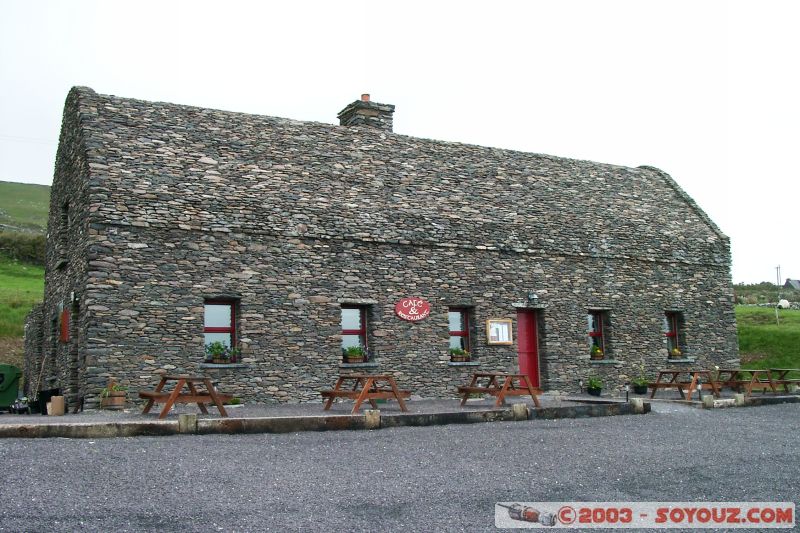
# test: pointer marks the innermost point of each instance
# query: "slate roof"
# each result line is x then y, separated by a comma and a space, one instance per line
163, 165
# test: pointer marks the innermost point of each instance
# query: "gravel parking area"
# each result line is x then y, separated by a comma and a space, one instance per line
439, 478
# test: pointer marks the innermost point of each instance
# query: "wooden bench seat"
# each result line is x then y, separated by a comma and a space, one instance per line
494, 391
200, 397
665, 385
682, 384
380, 395
786, 381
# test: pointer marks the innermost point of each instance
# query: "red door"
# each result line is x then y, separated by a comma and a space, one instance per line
528, 345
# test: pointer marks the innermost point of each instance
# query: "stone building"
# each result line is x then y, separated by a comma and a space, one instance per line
173, 226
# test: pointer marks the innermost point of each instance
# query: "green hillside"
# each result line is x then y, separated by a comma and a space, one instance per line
24, 207
764, 343
21, 286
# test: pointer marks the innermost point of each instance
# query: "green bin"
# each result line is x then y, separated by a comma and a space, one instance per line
9, 384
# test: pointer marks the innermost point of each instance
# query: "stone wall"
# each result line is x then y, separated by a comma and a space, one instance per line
148, 311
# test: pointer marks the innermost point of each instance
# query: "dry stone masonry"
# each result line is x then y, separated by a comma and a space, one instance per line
157, 208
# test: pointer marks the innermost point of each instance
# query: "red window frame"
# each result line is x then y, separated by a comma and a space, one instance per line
673, 332
596, 335
362, 333
232, 329
463, 333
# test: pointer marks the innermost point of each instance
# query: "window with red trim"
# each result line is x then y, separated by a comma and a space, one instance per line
597, 333
219, 322
672, 331
459, 328
354, 327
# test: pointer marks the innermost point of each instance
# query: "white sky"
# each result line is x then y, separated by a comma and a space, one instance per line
708, 91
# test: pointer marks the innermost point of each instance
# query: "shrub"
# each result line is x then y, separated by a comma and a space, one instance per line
23, 247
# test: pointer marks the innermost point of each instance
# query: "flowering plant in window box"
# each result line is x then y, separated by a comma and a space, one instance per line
459, 355
675, 353
218, 353
596, 352
353, 354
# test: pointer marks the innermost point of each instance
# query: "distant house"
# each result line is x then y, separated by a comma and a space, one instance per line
172, 227
792, 284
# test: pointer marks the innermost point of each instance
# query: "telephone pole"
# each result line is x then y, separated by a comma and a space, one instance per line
777, 316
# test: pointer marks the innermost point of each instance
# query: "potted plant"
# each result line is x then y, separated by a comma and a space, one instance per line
218, 353
113, 396
640, 382
640, 385
675, 353
594, 386
459, 355
353, 354
596, 352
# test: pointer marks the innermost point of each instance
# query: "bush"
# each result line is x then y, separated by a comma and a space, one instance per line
23, 247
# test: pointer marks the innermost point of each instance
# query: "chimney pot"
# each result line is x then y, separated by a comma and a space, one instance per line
365, 97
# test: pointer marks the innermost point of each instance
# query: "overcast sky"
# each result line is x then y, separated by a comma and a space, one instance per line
708, 91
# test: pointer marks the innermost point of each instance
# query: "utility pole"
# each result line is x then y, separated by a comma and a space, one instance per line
777, 316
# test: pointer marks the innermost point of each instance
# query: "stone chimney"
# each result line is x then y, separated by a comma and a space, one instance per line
365, 113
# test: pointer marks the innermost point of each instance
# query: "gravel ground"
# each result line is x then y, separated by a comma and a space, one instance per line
440, 478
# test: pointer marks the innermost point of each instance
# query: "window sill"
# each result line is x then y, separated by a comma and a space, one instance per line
682, 360
226, 365
605, 362
464, 363
370, 364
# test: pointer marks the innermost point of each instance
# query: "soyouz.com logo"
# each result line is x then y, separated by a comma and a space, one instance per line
655, 515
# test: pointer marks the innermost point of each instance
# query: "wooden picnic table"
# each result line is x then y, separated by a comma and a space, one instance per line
369, 387
176, 395
779, 377
697, 380
735, 378
490, 383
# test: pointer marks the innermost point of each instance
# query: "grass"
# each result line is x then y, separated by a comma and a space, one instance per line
21, 286
24, 206
765, 344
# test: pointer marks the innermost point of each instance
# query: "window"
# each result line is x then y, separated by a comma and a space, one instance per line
459, 328
354, 327
63, 229
673, 331
220, 322
597, 323
65, 217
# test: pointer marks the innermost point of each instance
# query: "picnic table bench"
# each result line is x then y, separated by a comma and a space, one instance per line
698, 381
365, 387
208, 396
779, 377
512, 385
735, 378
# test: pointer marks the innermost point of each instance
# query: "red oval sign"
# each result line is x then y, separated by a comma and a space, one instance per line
412, 309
